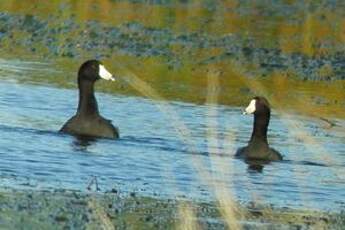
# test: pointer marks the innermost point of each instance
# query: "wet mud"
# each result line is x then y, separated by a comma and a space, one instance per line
64, 209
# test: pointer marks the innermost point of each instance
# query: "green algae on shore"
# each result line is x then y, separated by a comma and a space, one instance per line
63, 209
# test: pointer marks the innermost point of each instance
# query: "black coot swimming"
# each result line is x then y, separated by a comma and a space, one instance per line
258, 148
87, 121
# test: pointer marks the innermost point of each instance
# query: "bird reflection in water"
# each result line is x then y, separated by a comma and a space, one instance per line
256, 165
81, 143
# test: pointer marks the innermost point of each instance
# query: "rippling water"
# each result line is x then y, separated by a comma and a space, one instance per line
154, 157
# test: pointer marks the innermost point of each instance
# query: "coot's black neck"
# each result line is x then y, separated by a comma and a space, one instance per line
87, 101
261, 121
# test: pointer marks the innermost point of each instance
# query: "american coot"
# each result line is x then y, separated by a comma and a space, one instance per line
258, 148
87, 121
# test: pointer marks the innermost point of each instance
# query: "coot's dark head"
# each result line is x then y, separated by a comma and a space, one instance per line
93, 70
257, 106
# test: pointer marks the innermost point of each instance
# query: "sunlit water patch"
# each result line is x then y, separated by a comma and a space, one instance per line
154, 157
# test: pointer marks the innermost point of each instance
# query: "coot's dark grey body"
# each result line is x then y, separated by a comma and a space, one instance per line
88, 121
258, 148
94, 126
257, 151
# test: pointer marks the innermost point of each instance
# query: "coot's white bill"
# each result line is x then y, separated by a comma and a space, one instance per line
104, 73
251, 107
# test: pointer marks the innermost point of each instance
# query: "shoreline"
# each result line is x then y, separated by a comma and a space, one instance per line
180, 64
62, 209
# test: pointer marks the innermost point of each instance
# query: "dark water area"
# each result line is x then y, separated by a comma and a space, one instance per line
154, 157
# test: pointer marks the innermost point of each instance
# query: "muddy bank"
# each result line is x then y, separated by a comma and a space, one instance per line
53, 37
63, 209
284, 50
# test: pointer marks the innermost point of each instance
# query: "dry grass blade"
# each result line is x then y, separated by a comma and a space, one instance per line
100, 214
181, 129
188, 220
224, 196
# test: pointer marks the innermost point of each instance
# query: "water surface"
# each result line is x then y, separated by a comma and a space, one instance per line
153, 156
